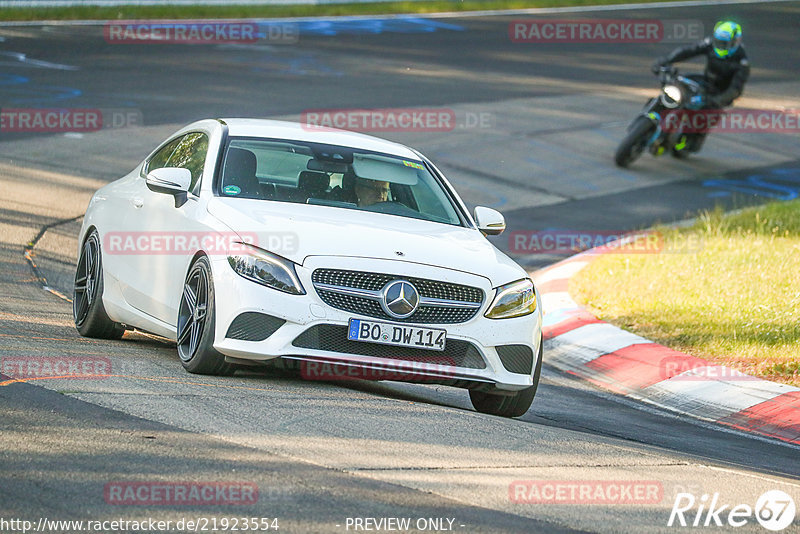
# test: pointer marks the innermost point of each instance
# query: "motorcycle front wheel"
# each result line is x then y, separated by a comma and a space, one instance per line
633, 145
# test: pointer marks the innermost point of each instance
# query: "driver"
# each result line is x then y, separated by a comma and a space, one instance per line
727, 68
369, 192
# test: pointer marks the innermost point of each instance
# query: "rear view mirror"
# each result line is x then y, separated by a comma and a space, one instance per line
326, 166
489, 221
173, 181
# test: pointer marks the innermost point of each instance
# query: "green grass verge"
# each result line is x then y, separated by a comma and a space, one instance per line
269, 11
736, 301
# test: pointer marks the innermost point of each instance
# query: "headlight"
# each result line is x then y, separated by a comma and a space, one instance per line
674, 94
513, 300
267, 269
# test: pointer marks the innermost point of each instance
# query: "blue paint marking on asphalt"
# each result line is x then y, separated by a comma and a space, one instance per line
359, 26
34, 94
43, 94
760, 185
793, 173
12, 79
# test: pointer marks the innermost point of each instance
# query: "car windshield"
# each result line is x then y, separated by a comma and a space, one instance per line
327, 175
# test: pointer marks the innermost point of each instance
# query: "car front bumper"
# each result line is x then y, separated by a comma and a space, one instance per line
236, 295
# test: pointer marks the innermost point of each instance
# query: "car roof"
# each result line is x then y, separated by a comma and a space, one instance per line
239, 127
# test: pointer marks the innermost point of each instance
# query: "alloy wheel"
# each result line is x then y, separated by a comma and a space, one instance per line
87, 277
192, 312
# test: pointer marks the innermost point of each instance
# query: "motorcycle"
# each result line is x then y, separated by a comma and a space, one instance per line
646, 131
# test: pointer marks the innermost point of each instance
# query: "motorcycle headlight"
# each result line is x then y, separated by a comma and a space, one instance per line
513, 300
267, 269
673, 94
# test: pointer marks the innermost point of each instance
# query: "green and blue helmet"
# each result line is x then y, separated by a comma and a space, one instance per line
727, 38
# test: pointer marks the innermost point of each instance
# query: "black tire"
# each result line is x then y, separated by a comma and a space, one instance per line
632, 146
196, 320
91, 319
509, 405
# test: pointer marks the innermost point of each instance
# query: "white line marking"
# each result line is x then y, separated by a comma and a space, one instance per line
601, 337
24, 59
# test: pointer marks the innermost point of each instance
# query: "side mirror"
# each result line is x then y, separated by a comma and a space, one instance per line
173, 181
490, 222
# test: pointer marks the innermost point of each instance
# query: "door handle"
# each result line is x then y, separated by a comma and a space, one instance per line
137, 202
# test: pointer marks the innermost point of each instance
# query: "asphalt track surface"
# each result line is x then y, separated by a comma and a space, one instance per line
323, 452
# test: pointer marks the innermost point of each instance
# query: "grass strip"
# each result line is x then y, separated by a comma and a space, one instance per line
735, 301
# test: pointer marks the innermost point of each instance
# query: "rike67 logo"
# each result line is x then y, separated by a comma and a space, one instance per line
774, 510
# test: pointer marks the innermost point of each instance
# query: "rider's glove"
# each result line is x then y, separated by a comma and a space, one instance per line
696, 102
660, 62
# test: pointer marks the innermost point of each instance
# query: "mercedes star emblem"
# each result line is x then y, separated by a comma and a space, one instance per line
400, 299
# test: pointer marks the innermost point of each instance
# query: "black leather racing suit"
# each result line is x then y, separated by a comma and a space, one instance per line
724, 78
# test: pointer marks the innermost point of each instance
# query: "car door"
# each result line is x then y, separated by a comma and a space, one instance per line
159, 264
131, 230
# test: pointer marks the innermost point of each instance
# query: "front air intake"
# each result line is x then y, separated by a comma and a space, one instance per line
253, 326
516, 358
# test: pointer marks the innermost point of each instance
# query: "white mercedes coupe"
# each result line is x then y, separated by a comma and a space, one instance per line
252, 241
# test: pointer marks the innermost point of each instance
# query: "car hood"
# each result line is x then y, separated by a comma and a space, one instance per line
297, 231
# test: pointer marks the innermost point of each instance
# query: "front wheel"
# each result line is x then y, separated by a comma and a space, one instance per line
509, 405
633, 145
196, 322
91, 319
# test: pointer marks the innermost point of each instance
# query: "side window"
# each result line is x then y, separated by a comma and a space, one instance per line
190, 154
159, 159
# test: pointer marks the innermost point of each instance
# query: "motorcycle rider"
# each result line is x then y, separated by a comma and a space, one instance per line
727, 70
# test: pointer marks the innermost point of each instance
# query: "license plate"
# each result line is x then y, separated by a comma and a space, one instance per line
396, 334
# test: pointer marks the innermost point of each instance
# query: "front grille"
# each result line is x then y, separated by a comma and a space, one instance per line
333, 338
516, 358
432, 289
253, 326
